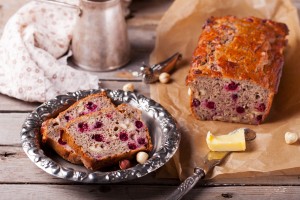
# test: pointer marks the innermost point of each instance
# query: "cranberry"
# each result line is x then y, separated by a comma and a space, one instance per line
61, 142
124, 164
67, 118
132, 146
232, 86
234, 97
109, 116
249, 19
259, 118
240, 109
210, 105
141, 141
80, 114
138, 124
123, 136
98, 137
196, 103
91, 106
261, 107
83, 126
197, 71
98, 125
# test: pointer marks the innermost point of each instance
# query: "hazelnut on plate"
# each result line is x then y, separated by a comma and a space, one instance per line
142, 157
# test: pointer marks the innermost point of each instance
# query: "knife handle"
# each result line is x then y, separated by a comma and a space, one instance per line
187, 184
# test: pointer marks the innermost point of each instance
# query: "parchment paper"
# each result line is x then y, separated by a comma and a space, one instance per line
179, 31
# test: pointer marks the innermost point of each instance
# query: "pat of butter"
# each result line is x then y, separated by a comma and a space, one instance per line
230, 142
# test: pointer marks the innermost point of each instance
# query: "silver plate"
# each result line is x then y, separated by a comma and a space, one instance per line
162, 127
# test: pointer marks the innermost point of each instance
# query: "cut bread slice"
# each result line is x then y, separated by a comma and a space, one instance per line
104, 138
52, 129
52, 136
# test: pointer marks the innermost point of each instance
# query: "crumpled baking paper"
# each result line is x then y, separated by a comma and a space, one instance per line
32, 41
268, 154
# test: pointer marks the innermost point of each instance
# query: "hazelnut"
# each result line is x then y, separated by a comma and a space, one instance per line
291, 138
164, 77
124, 164
128, 87
142, 157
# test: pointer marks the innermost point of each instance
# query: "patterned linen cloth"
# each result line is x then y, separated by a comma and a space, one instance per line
32, 41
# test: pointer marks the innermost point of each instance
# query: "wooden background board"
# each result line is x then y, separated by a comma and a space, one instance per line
22, 179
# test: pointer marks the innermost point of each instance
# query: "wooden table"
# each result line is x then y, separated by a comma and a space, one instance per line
22, 179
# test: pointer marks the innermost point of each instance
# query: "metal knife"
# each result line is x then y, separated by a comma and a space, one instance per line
212, 159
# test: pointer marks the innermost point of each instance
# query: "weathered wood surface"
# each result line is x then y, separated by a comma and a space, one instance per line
116, 192
22, 179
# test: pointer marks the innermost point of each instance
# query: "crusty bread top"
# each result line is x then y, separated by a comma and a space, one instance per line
240, 49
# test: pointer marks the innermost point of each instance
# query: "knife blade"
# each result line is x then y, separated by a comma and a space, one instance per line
212, 159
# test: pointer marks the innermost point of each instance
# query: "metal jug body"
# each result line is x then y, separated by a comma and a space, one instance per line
100, 39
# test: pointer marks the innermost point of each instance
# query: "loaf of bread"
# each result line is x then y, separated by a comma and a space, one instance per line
106, 137
53, 129
236, 69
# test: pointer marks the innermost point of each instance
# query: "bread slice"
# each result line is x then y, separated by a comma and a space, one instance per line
52, 129
236, 69
52, 136
104, 138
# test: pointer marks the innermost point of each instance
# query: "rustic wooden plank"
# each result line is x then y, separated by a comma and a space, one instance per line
19, 168
11, 124
9, 104
134, 192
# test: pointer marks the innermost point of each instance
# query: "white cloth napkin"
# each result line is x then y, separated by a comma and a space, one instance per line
32, 41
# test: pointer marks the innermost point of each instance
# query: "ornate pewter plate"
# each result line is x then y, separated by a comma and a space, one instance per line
162, 127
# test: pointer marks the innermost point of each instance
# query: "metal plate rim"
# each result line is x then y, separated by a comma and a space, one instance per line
31, 142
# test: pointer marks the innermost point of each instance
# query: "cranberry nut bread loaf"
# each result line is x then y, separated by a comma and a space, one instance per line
53, 129
236, 69
106, 137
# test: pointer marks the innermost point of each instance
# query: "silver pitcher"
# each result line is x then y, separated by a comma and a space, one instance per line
100, 39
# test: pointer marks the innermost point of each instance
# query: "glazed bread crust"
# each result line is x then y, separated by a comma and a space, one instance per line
237, 56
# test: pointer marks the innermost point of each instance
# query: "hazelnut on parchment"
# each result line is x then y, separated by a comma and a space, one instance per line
164, 77
291, 138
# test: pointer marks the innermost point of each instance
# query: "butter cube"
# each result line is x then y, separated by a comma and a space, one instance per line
230, 142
